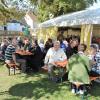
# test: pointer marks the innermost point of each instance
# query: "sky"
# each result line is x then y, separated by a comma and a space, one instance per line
95, 5
25, 5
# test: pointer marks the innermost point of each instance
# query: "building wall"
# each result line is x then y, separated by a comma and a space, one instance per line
12, 27
96, 31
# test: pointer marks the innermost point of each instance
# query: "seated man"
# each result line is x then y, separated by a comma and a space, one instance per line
78, 68
10, 56
26, 44
53, 55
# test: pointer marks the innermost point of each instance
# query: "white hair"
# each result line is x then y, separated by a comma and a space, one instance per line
56, 42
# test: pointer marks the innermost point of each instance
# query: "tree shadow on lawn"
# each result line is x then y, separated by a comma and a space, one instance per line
44, 88
13, 99
95, 90
36, 89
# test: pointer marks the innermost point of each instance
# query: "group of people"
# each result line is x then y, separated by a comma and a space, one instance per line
80, 64
26, 62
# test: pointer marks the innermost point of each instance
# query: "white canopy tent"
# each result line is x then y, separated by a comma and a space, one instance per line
89, 16
86, 18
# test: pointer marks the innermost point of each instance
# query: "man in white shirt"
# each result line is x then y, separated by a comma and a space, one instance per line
53, 55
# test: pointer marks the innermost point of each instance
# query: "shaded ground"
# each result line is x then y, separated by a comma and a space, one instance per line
38, 87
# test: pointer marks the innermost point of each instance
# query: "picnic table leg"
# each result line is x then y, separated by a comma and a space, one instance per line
9, 71
82, 97
62, 73
14, 70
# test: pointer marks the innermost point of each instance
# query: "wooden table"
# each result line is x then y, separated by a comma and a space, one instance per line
23, 52
26, 55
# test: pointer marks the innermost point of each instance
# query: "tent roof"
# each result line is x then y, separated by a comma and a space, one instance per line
89, 16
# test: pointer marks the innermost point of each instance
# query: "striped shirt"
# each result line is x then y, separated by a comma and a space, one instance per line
9, 52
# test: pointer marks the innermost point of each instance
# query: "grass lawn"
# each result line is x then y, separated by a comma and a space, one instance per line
38, 87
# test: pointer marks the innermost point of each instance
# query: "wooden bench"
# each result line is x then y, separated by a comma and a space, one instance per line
44, 68
13, 66
92, 78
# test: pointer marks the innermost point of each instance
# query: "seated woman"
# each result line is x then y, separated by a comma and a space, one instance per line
36, 58
94, 57
78, 67
97, 65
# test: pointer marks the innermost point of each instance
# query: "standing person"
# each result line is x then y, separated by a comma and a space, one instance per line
53, 55
78, 68
10, 56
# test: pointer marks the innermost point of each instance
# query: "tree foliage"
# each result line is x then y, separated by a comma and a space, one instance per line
53, 8
7, 14
45, 9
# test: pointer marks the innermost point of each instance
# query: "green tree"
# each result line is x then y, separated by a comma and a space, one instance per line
53, 8
7, 14
44, 9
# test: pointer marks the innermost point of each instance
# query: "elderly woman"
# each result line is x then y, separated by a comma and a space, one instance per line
53, 55
78, 67
94, 57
